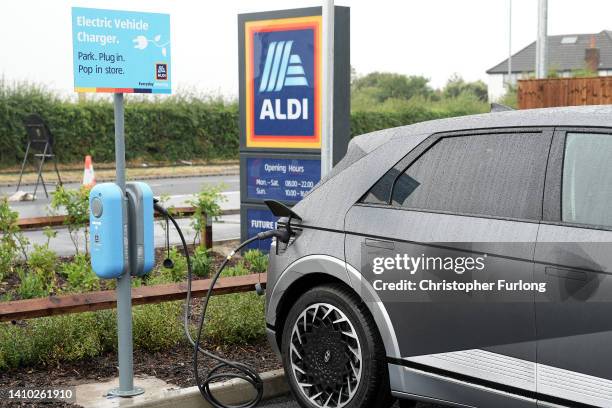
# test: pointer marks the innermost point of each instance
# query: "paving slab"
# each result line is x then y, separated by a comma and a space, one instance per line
159, 394
94, 395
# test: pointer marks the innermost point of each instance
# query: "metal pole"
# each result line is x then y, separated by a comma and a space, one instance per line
509, 82
327, 128
124, 283
541, 69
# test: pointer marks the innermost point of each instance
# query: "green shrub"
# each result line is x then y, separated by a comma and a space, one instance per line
158, 327
207, 208
177, 273
237, 270
235, 319
257, 260
201, 262
457, 86
7, 260
80, 276
232, 319
50, 340
31, 285
168, 129
10, 235
42, 262
510, 98
76, 205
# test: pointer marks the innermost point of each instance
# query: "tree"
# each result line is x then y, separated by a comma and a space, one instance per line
384, 85
457, 86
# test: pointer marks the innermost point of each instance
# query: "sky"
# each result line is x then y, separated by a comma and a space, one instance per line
433, 38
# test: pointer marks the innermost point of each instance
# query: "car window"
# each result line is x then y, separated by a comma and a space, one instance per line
496, 175
587, 179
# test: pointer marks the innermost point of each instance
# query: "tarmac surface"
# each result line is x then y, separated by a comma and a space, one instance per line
178, 187
289, 402
178, 190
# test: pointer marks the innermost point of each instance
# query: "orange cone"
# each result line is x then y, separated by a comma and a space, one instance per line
89, 177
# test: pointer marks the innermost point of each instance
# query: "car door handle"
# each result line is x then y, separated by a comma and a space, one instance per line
566, 273
379, 243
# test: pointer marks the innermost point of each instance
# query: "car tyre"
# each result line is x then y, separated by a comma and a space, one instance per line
332, 352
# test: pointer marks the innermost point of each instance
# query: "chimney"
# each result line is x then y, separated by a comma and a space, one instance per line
591, 57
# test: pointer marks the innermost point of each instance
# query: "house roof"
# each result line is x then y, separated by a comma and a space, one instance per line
564, 54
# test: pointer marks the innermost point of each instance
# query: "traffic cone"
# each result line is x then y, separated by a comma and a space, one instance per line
89, 177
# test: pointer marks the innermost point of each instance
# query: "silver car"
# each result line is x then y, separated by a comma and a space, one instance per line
529, 193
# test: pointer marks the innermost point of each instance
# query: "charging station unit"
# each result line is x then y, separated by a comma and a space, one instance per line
140, 228
122, 244
107, 224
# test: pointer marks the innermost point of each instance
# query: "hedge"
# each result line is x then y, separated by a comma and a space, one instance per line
165, 130
170, 129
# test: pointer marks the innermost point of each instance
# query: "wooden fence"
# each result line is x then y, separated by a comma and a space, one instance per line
107, 299
544, 93
91, 301
59, 220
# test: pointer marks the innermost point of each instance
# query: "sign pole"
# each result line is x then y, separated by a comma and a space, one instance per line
327, 128
541, 43
124, 282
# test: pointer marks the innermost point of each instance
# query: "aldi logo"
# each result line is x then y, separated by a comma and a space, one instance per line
291, 72
283, 83
161, 72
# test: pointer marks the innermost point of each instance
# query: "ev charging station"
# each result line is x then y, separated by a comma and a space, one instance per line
121, 52
285, 143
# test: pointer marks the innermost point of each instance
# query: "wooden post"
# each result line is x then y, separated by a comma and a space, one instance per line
203, 236
206, 237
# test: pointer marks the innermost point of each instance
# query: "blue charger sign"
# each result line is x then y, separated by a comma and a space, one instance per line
283, 83
120, 51
281, 179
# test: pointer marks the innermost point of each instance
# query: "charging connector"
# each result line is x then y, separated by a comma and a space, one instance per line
283, 235
238, 370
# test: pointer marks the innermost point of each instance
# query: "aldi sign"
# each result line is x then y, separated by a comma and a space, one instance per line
280, 75
283, 83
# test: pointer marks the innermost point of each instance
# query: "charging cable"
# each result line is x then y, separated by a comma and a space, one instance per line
238, 370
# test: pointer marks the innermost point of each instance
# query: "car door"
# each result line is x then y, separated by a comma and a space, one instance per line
459, 195
574, 258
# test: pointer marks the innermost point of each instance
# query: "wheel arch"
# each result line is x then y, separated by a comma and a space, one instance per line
315, 270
